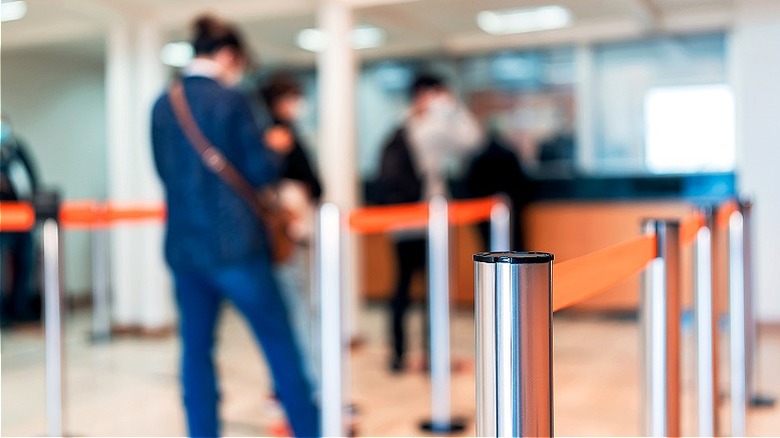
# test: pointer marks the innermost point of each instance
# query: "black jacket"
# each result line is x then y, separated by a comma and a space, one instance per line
296, 166
14, 152
398, 181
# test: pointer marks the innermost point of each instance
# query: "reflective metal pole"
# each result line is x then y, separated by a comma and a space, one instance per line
101, 310
439, 316
513, 325
737, 326
755, 398
661, 311
706, 330
333, 343
500, 227
53, 327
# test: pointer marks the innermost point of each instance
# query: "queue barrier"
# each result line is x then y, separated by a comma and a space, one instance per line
436, 217
73, 215
575, 280
514, 297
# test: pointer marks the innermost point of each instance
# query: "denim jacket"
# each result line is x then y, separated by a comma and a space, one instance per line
208, 224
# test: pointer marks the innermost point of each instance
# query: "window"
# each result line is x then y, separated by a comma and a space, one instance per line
689, 129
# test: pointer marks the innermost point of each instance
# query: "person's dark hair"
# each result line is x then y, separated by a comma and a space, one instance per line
278, 86
212, 34
424, 82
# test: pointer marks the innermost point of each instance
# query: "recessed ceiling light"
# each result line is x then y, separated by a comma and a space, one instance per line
177, 54
366, 37
313, 40
13, 10
508, 21
363, 37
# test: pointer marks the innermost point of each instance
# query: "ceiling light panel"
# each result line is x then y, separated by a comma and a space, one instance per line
13, 10
510, 21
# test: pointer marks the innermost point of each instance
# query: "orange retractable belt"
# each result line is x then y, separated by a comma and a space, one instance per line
584, 277
16, 216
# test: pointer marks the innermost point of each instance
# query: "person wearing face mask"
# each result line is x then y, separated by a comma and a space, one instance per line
215, 244
436, 130
18, 182
299, 192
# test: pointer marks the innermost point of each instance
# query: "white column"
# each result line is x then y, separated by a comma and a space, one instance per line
154, 293
134, 77
586, 104
119, 113
754, 56
336, 68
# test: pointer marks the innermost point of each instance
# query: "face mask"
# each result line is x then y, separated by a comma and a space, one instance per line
442, 106
5, 131
300, 109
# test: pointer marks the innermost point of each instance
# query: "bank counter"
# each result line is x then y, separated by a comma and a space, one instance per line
569, 217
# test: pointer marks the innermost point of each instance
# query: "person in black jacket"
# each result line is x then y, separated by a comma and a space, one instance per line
216, 247
18, 182
436, 129
496, 170
299, 192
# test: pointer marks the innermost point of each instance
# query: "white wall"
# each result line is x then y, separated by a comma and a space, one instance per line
56, 101
755, 69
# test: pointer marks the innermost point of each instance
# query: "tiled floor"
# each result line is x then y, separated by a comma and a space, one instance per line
129, 387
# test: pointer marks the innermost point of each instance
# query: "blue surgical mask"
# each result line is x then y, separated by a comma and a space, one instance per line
5, 131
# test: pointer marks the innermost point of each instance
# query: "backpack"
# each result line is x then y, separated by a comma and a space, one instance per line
398, 181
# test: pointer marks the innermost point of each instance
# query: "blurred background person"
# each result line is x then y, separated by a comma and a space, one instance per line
436, 129
497, 170
18, 182
215, 244
299, 192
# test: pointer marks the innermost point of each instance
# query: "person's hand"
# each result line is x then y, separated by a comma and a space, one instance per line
279, 139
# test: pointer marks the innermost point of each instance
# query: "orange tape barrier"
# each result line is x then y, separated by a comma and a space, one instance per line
586, 276
689, 228
724, 212
16, 216
471, 211
406, 216
90, 214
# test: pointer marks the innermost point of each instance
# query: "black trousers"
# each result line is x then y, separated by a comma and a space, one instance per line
17, 259
411, 257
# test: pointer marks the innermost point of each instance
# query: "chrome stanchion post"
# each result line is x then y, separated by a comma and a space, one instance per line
661, 332
755, 398
737, 326
706, 329
439, 317
513, 325
500, 226
101, 310
329, 245
53, 327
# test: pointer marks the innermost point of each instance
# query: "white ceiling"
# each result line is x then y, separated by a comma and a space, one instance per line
413, 27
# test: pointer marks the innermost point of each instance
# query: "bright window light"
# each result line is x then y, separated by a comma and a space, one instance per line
363, 37
13, 10
177, 54
509, 21
689, 129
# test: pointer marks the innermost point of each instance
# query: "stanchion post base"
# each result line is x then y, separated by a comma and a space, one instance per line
454, 426
762, 401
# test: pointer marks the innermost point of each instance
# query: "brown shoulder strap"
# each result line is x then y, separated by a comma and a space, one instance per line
211, 157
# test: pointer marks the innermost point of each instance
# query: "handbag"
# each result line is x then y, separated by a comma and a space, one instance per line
264, 203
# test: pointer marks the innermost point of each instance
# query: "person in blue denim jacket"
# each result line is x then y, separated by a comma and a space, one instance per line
216, 247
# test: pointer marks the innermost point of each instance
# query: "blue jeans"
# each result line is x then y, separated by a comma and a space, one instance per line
250, 286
